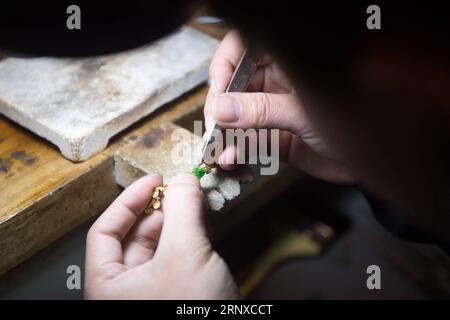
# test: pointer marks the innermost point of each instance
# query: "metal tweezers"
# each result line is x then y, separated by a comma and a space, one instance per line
238, 83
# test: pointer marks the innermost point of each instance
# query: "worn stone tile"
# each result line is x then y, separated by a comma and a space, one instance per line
79, 104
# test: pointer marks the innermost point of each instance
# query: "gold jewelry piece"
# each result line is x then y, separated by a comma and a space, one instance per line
155, 201
206, 167
159, 192
202, 169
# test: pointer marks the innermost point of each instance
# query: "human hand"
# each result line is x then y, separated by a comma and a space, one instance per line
270, 103
166, 255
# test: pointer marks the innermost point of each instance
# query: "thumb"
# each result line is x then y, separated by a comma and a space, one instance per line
184, 209
259, 110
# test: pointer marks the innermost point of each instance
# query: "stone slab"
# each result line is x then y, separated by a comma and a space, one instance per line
79, 104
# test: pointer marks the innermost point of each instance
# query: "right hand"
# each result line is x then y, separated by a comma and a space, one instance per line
270, 103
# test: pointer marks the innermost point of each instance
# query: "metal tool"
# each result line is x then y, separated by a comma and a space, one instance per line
238, 83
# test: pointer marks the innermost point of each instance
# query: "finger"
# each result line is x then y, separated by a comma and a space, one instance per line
228, 158
106, 234
243, 150
225, 60
141, 243
256, 82
207, 110
221, 69
184, 207
260, 110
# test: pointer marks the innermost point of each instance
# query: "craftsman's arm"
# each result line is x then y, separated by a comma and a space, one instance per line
164, 255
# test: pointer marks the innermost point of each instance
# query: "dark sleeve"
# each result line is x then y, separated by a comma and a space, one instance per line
398, 225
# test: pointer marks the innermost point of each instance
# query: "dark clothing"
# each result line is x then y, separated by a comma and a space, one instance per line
396, 224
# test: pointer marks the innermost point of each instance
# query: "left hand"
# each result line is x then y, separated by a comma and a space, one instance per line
166, 255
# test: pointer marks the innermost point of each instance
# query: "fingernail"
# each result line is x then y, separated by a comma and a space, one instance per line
184, 177
226, 108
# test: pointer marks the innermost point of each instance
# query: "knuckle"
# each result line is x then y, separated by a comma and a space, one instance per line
261, 108
147, 241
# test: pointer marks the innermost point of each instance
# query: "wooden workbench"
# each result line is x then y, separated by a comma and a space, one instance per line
43, 195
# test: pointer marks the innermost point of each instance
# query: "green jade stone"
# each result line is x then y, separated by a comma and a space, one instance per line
198, 171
